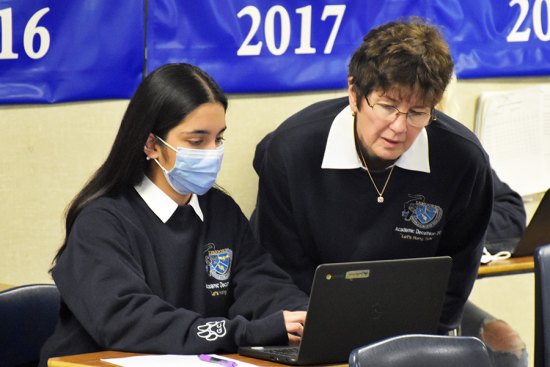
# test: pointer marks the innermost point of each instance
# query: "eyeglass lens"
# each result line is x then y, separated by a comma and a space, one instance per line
391, 113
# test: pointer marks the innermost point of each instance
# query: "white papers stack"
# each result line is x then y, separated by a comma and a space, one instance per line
514, 128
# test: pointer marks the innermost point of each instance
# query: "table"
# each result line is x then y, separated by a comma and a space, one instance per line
94, 360
513, 265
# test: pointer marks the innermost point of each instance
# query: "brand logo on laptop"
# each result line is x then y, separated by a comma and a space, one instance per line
212, 330
421, 213
218, 263
357, 274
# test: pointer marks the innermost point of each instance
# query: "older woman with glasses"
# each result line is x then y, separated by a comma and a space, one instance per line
379, 173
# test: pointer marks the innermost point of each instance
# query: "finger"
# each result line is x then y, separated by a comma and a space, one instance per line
295, 316
295, 328
293, 339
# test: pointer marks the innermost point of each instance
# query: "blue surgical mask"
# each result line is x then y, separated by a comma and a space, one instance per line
195, 170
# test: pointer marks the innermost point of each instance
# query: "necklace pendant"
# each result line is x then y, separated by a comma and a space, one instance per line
380, 199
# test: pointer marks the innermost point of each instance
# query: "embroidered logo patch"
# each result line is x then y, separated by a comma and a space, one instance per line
212, 330
219, 263
422, 214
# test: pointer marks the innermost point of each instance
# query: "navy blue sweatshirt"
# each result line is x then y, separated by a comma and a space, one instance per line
130, 282
508, 219
306, 215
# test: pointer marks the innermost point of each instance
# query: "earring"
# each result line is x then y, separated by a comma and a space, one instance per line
353, 110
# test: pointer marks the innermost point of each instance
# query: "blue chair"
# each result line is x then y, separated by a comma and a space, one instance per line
28, 315
542, 312
420, 350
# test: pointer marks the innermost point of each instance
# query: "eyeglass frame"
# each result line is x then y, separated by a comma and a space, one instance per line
431, 116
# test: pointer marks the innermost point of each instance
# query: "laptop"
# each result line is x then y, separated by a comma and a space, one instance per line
358, 303
536, 233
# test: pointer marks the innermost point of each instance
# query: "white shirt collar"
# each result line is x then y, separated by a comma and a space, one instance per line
340, 152
160, 203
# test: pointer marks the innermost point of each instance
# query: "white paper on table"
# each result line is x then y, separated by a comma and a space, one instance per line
170, 360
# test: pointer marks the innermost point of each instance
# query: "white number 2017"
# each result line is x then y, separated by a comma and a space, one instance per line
279, 13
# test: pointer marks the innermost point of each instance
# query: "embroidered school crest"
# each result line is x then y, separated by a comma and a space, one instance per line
219, 263
422, 214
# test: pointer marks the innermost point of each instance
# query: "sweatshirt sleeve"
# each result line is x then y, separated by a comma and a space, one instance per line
102, 283
508, 218
273, 220
463, 239
261, 287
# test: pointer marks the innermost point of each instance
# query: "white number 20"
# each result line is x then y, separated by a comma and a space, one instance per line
523, 36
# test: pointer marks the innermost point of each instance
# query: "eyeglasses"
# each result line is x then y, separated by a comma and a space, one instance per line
390, 113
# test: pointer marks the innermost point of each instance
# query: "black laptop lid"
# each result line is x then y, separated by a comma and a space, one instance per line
354, 304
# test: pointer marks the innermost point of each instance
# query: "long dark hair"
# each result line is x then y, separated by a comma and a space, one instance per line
162, 101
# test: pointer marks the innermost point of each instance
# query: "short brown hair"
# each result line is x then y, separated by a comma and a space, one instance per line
411, 56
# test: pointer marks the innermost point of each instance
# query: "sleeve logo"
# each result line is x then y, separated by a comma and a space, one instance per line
212, 330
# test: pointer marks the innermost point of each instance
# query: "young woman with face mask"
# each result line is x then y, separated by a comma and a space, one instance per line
155, 259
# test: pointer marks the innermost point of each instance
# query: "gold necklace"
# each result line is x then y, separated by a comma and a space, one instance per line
380, 193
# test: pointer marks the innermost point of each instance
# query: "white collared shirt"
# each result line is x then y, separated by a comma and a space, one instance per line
340, 151
160, 203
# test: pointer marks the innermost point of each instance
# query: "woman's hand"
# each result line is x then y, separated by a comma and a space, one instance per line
294, 323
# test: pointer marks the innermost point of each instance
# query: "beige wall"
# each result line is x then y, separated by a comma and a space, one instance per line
52, 149
55, 148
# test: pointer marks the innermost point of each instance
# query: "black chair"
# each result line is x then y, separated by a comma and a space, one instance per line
542, 312
420, 350
28, 315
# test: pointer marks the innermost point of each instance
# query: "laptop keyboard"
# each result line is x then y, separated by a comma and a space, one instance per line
286, 351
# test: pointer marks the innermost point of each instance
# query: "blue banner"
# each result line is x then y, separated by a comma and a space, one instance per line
94, 49
54, 51
286, 45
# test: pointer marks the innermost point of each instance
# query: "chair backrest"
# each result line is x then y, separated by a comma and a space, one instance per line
420, 350
542, 306
28, 315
